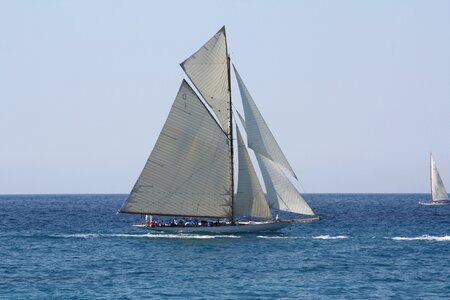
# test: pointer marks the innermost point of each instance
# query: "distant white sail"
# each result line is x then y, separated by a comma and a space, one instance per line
438, 191
187, 173
259, 136
208, 70
250, 199
281, 193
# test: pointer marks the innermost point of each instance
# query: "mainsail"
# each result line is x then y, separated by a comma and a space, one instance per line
250, 199
259, 136
281, 193
187, 173
208, 70
438, 191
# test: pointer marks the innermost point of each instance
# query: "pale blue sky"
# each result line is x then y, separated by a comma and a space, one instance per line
357, 93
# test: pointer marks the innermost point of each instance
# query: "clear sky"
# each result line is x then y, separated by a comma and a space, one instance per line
357, 93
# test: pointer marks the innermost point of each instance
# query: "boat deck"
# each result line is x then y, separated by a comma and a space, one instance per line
239, 227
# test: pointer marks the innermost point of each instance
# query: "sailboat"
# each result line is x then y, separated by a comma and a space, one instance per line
190, 173
439, 195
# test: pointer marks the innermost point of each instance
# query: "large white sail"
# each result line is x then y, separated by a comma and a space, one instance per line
250, 199
438, 191
187, 173
281, 193
208, 70
259, 136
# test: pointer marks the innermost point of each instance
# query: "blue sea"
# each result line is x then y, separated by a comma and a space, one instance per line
365, 246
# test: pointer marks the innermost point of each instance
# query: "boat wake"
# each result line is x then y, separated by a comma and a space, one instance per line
147, 235
423, 238
320, 237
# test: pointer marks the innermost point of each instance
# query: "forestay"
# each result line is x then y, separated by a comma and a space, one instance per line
438, 191
259, 136
187, 172
208, 70
281, 193
250, 199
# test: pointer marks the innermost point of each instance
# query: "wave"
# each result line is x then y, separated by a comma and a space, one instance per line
321, 237
423, 238
329, 237
79, 235
147, 235
279, 237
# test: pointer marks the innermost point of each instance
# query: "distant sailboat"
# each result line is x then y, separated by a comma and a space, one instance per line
439, 195
190, 172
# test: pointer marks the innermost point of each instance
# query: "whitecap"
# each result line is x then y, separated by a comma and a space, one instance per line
330, 237
279, 237
321, 237
79, 235
423, 238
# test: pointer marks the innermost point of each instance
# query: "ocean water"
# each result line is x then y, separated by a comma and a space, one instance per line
365, 246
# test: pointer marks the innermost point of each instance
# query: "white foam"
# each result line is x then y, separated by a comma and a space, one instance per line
79, 235
423, 238
147, 235
182, 236
279, 237
330, 237
321, 237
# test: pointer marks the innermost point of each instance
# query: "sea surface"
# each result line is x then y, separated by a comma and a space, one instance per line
365, 246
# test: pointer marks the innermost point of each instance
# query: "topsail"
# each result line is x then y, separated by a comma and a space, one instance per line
208, 70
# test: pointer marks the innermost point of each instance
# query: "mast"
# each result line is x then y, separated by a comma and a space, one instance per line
206, 69
230, 136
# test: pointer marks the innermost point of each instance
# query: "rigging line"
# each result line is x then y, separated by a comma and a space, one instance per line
282, 200
219, 63
234, 107
301, 186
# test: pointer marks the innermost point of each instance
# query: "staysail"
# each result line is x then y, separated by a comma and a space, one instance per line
438, 191
250, 199
259, 136
187, 173
281, 193
208, 70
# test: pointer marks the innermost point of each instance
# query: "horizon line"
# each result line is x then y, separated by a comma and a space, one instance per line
309, 193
